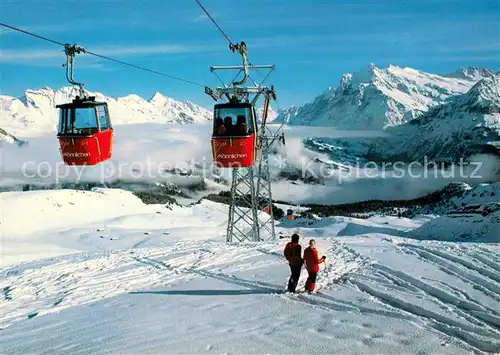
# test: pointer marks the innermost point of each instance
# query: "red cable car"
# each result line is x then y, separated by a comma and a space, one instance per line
85, 133
234, 138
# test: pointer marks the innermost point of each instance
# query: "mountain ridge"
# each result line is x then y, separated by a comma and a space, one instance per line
375, 98
466, 125
35, 111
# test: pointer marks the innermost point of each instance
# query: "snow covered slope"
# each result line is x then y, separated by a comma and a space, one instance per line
377, 98
472, 223
35, 112
104, 273
53, 215
459, 195
468, 124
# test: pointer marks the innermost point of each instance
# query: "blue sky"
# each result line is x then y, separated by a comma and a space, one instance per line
313, 43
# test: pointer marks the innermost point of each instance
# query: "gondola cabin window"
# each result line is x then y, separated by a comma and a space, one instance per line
64, 121
234, 120
85, 120
103, 115
82, 120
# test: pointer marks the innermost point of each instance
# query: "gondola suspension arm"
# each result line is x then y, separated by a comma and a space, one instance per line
71, 51
242, 50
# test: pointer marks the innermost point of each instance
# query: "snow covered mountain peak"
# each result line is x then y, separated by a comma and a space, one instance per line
472, 73
365, 76
376, 98
35, 111
159, 99
131, 98
486, 92
467, 124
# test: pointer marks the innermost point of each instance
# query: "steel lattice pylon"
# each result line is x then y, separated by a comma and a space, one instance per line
264, 193
250, 194
243, 208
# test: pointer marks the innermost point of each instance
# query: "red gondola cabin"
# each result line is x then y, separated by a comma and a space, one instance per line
85, 133
234, 138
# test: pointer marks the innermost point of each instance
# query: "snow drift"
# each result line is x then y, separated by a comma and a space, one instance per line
472, 223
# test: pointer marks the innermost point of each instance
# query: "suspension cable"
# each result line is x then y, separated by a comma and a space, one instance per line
103, 56
31, 34
241, 48
145, 69
215, 23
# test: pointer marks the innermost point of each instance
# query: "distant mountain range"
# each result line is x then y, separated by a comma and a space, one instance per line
465, 125
441, 117
375, 98
35, 111
4, 136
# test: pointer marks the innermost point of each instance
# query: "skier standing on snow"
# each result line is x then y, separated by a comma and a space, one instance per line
293, 253
312, 264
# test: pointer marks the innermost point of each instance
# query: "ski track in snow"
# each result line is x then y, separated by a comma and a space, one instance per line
445, 263
453, 312
51, 285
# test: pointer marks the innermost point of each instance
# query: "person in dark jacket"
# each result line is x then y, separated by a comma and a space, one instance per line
228, 125
219, 127
241, 128
312, 264
293, 253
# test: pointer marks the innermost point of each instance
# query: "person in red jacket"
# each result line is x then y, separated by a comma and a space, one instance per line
293, 253
312, 264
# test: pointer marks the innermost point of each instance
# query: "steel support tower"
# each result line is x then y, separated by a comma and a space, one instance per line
250, 212
250, 195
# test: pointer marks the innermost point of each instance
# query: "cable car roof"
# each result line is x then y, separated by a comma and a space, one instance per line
85, 103
234, 105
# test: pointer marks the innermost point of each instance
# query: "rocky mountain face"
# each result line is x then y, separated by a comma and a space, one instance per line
9, 138
35, 112
375, 98
442, 117
466, 125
